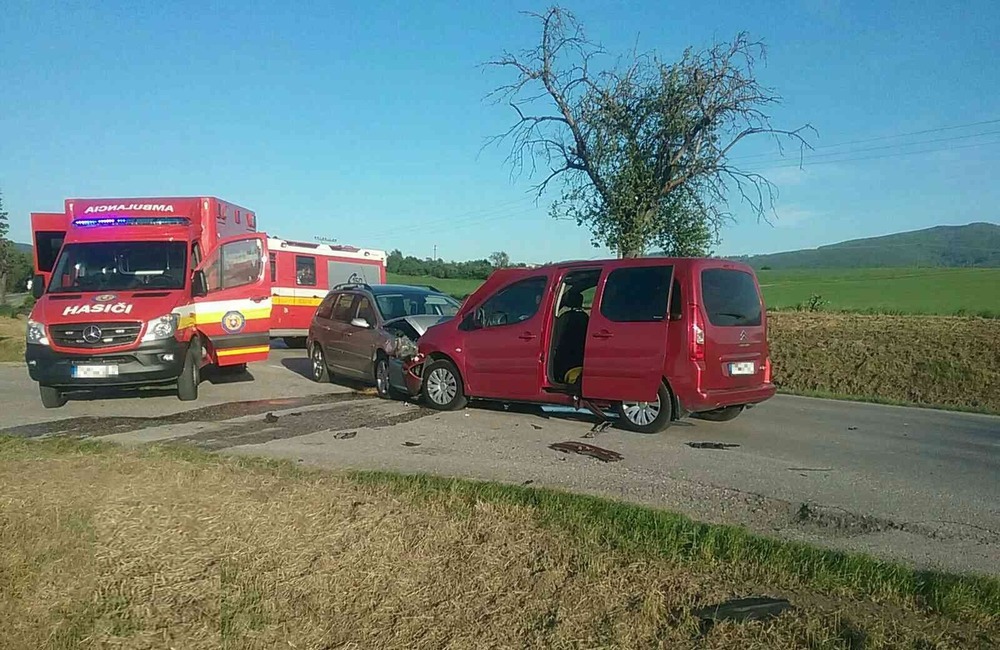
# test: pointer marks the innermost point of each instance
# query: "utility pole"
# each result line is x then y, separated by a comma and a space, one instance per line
435, 252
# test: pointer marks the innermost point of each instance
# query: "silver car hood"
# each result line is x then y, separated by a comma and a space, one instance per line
422, 322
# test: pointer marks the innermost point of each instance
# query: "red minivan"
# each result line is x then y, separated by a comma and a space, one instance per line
655, 339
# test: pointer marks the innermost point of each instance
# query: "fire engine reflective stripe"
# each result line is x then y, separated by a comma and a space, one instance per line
293, 301
259, 349
213, 313
190, 320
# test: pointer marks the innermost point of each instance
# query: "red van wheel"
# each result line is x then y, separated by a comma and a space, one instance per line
647, 417
725, 414
444, 389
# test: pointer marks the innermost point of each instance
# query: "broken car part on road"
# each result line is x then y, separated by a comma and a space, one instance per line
582, 448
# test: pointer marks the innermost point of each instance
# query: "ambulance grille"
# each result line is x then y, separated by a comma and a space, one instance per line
91, 336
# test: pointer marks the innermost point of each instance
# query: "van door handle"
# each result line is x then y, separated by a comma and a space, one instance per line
526, 336
603, 334
261, 299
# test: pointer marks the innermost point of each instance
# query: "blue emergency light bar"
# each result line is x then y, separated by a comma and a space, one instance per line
100, 222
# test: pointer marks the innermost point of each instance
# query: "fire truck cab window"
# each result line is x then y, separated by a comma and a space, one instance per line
305, 271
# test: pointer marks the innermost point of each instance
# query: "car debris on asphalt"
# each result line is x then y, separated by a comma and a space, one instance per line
600, 427
411, 444
712, 445
345, 435
584, 449
270, 417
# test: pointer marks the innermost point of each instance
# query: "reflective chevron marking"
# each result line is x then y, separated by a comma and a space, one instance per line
257, 349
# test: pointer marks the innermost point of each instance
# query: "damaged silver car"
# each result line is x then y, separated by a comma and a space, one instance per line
366, 332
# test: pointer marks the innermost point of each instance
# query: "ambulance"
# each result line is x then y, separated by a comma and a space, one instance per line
302, 273
143, 291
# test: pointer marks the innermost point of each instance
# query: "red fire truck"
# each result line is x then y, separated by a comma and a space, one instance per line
142, 291
303, 273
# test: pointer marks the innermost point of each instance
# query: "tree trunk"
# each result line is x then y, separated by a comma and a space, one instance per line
3, 288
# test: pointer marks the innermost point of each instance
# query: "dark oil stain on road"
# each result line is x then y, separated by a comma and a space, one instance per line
345, 419
97, 426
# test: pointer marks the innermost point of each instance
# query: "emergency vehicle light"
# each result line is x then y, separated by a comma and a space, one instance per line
131, 221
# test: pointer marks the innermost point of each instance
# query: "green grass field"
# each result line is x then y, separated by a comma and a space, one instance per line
938, 291
457, 288
946, 292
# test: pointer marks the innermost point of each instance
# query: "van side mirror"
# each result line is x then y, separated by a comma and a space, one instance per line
37, 286
199, 285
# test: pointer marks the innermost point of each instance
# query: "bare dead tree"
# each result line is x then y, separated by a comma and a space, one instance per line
639, 145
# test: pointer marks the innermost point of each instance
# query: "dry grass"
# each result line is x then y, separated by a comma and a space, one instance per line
110, 548
12, 338
939, 361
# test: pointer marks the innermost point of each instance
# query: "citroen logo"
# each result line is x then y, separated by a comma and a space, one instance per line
91, 333
743, 336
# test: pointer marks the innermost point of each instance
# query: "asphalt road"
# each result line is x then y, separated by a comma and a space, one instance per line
915, 485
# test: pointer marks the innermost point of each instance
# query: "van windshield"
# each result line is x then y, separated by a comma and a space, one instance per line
120, 266
730, 298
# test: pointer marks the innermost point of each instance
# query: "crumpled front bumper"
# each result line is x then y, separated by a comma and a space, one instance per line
412, 374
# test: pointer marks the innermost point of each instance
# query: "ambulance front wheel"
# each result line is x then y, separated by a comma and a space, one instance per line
187, 383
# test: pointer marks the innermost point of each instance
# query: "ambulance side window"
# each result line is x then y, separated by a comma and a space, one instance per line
272, 262
195, 255
234, 264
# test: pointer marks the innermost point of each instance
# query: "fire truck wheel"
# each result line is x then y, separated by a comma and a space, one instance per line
320, 372
187, 383
52, 398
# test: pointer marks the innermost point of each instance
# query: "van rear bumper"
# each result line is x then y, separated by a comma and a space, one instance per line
143, 365
715, 399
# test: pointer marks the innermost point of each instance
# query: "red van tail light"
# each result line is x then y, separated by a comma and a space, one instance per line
767, 370
697, 336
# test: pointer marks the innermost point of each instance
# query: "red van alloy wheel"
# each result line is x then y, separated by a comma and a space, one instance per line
443, 386
647, 417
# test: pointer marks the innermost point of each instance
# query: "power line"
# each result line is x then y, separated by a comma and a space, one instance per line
885, 137
808, 157
428, 226
888, 155
504, 210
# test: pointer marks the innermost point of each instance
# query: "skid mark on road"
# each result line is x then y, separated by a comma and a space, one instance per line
86, 427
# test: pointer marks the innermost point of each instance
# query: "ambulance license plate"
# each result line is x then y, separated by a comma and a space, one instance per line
94, 372
742, 368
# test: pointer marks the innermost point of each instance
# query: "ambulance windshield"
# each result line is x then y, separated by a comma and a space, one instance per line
120, 266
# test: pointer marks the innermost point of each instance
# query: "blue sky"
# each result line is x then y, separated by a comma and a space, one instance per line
366, 123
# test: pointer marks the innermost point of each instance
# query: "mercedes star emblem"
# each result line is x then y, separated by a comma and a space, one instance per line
91, 333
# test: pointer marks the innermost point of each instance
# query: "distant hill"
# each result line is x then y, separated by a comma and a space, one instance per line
973, 245
23, 248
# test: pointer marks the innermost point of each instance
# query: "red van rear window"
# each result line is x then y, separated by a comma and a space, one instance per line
730, 298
